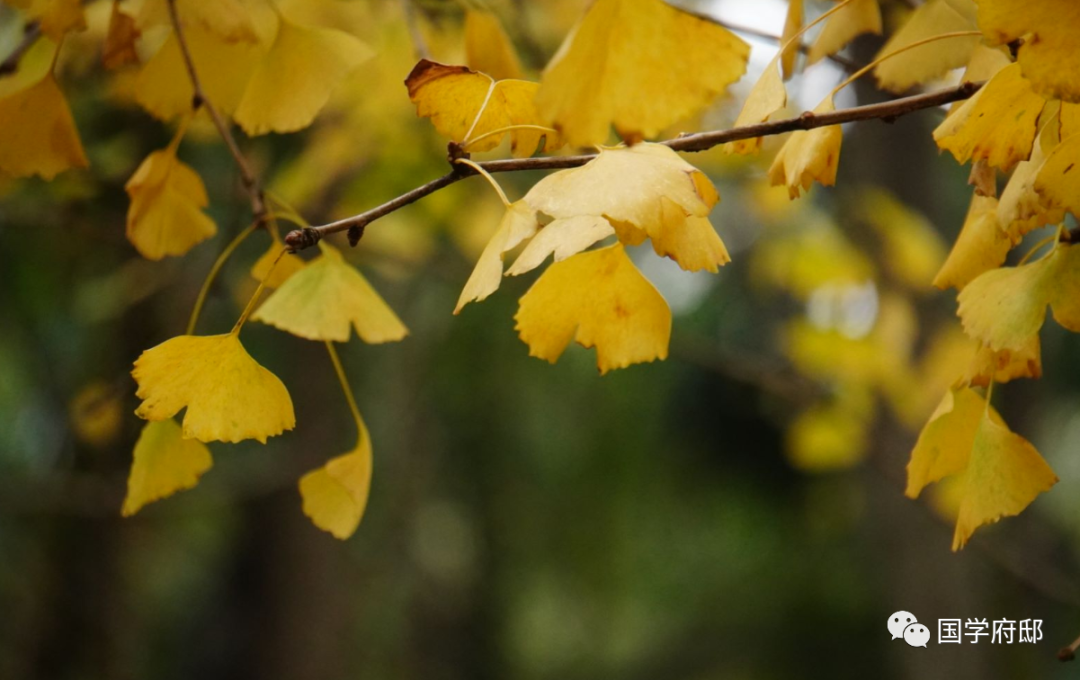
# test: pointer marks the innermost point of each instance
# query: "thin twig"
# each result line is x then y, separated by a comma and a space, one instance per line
30, 35
247, 177
887, 111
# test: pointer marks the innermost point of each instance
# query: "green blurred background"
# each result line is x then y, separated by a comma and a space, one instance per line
526, 520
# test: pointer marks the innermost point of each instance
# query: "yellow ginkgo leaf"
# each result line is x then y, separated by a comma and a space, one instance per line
766, 98
1047, 54
1003, 476
336, 494
56, 17
279, 273
831, 436
231, 20
452, 96
858, 17
325, 298
1056, 182
808, 156
561, 238
934, 59
601, 300
293, 81
912, 248
518, 224
37, 132
1003, 308
1022, 209
645, 190
982, 245
167, 197
229, 397
944, 445
119, 48
487, 47
164, 88
164, 462
640, 65
793, 23
1004, 365
997, 124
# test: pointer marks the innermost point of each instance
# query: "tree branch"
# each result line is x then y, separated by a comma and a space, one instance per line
247, 176
886, 111
30, 35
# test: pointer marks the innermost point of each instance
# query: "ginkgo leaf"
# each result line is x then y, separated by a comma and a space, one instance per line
562, 238
487, 47
279, 273
944, 445
919, 65
1056, 181
56, 17
37, 132
997, 124
808, 156
911, 246
860, 16
1004, 307
164, 88
325, 298
639, 65
1047, 54
644, 190
34, 65
336, 494
119, 48
231, 20
452, 96
601, 300
1004, 365
766, 98
1022, 209
1003, 476
832, 435
293, 81
229, 397
164, 462
518, 224
165, 216
793, 23
982, 245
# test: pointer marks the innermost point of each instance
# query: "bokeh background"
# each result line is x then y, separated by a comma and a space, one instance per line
736, 511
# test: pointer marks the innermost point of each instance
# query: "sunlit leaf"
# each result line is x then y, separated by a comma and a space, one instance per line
164, 462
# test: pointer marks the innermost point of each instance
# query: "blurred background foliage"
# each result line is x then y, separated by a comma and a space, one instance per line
733, 512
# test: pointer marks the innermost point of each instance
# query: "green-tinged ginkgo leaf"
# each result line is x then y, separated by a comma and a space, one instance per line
601, 300
997, 124
856, 18
808, 156
982, 245
1047, 53
1004, 308
294, 79
166, 215
487, 47
229, 397
452, 97
933, 60
637, 65
518, 224
944, 445
278, 273
325, 298
164, 462
336, 494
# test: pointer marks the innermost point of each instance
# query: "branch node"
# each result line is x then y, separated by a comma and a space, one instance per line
807, 119
455, 151
356, 232
299, 239
1066, 654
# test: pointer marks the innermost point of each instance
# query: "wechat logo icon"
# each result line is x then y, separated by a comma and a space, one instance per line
904, 625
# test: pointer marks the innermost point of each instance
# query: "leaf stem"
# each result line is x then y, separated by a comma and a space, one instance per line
361, 428
209, 281
508, 128
900, 50
258, 291
487, 175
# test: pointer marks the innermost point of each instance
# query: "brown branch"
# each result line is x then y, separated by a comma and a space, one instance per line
247, 176
30, 35
701, 141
